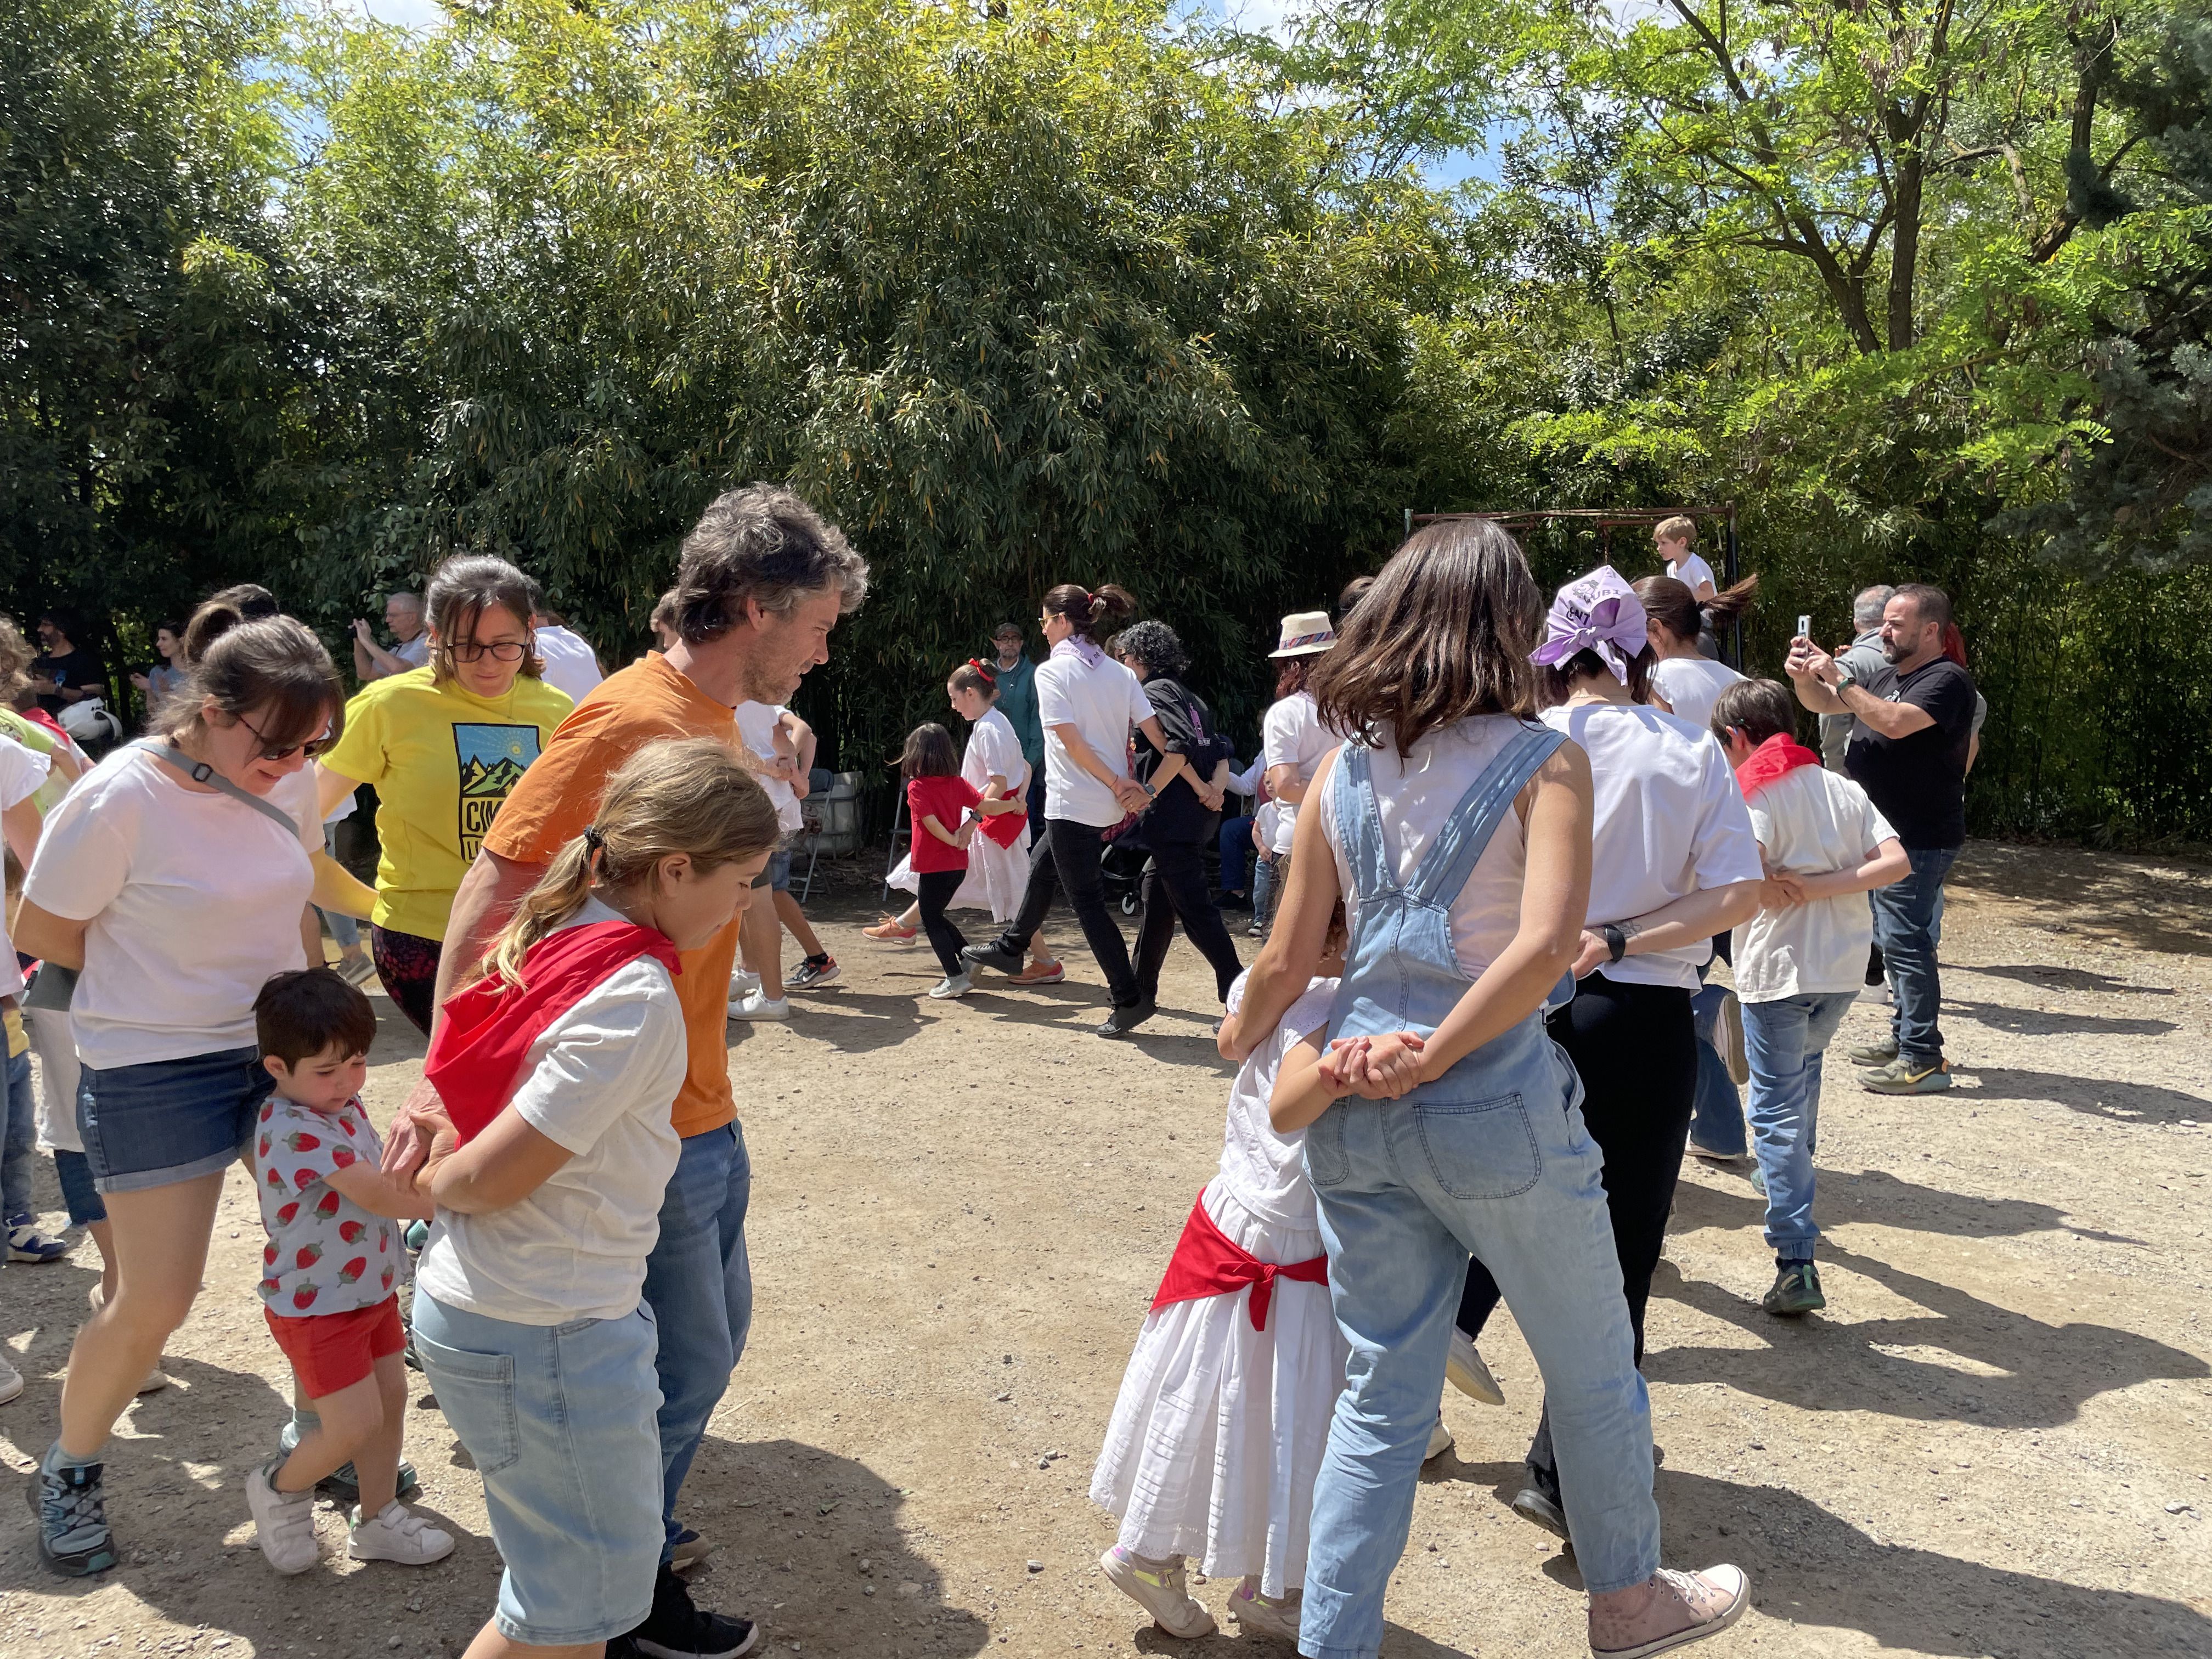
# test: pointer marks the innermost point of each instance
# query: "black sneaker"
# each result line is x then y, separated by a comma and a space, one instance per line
72, 1509
676, 1630
993, 956
1122, 1021
1539, 1502
1795, 1291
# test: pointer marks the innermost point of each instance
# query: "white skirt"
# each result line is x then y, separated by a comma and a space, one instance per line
996, 876
1217, 1436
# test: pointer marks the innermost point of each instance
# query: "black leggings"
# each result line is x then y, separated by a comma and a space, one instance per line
1637, 1049
933, 891
407, 963
1068, 856
1174, 889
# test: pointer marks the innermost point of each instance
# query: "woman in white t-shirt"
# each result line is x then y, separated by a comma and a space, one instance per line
1685, 681
1088, 704
1292, 740
556, 1071
1674, 862
174, 878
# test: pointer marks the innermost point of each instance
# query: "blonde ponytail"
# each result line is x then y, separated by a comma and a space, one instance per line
690, 795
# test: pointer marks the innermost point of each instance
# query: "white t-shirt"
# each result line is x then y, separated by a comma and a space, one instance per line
600, 1081
1692, 685
1670, 822
1810, 822
1691, 571
570, 665
1273, 821
994, 750
1292, 735
22, 771
416, 652
756, 725
1413, 798
1262, 1170
1103, 701
194, 899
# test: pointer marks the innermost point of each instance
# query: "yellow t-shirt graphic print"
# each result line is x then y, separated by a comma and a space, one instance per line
442, 762
493, 759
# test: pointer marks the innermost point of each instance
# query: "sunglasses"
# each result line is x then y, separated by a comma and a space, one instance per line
313, 748
506, 651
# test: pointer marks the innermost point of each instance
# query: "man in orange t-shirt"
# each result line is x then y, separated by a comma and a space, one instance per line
762, 580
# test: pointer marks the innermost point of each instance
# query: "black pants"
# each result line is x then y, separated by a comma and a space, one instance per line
1067, 855
1636, 1048
1174, 889
933, 891
408, 966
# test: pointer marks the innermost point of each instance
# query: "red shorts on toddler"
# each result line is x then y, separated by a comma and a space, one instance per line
334, 1351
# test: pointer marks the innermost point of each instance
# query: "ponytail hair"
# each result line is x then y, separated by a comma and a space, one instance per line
678, 795
221, 612
977, 676
1086, 611
1671, 605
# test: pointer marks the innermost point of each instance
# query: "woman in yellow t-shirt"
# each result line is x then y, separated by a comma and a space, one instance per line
442, 745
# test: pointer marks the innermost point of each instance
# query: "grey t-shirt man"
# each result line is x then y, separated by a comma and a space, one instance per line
1864, 658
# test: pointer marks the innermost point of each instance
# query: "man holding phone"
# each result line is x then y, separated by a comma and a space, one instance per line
1863, 657
1913, 723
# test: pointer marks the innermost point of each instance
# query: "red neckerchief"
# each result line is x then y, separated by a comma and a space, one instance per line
1207, 1263
476, 1059
1772, 761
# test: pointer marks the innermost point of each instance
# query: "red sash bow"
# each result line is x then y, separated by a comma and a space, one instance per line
1005, 828
1206, 1263
1772, 761
476, 1059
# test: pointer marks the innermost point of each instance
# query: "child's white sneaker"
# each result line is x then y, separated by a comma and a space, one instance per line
758, 1006
953, 985
395, 1532
283, 1521
1254, 1612
1464, 1369
743, 984
1156, 1587
1440, 1441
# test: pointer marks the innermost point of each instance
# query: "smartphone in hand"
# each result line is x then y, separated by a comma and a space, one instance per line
1804, 627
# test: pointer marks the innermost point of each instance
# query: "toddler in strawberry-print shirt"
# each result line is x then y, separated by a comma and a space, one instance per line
328, 1275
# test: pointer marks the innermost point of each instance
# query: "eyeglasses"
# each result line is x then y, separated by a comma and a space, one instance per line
313, 748
505, 651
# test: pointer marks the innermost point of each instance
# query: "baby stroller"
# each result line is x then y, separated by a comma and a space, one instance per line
1120, 869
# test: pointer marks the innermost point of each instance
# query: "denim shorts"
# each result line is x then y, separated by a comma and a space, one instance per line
776, 874
169, 1120
79, 1195
559, 1421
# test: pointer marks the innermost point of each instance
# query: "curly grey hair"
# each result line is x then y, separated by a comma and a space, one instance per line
761, 543
1153, 644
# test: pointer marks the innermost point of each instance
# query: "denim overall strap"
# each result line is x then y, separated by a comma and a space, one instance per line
1401, 972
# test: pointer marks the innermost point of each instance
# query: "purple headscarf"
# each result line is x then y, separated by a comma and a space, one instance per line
1598, 612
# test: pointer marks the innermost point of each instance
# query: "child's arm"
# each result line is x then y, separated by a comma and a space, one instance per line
1887, 864
380, 1193
1305, 1087
992, 806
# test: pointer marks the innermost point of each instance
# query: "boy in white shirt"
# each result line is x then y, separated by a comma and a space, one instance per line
1676, 542
1799, 962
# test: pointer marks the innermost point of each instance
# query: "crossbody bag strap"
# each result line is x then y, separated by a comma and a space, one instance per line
200, 772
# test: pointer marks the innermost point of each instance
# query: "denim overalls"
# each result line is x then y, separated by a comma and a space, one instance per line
1490, 1159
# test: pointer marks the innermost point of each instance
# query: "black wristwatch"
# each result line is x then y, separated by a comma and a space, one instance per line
1616, 942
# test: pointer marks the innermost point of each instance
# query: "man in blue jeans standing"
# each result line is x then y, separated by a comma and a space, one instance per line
1909, 751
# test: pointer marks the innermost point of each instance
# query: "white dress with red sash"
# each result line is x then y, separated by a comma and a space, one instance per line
1217, 1434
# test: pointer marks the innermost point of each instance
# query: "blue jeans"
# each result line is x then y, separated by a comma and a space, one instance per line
1492, 1159
1718, 1126
1907, 915
168, 1121
558, 1419
19, 1149
1236, 855
699, 1283
1783, 1040
1263, 889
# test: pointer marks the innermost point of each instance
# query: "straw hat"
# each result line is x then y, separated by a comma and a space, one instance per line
1305, 634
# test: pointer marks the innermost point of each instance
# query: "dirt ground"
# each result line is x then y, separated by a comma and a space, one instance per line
1997, 1441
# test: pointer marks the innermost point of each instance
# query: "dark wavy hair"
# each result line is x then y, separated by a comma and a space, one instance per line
1445, 634
1155, 645
461, 591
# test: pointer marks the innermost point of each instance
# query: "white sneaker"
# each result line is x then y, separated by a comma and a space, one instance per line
756, 1006
1440, 1441
11, 1381
283, 1521
743, 985
1464, 1371
953, 985
1156, 1587
1254, 1612
1727, 1039
395, 1532
155, 1380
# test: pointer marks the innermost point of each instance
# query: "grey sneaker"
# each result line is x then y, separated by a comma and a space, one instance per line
1254, 1612
1871, 1053
72, 1509
953, 985
808, 975
1908, 1075
1795, 1291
